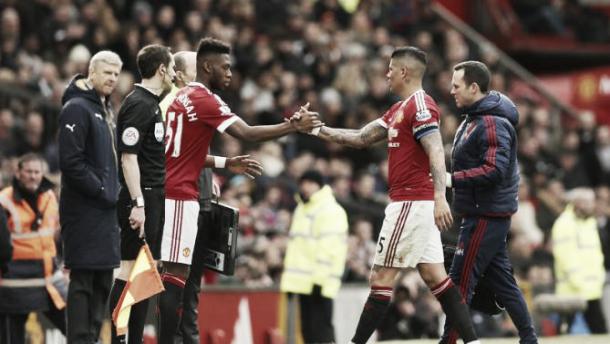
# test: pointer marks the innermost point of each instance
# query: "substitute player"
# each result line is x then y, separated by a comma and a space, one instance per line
410, 234
191, 121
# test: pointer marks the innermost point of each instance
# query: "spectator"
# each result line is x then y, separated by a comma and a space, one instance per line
361, 251
413, 312
579, 261
8, 136
33, 222
602, 212
315, 256
524, 220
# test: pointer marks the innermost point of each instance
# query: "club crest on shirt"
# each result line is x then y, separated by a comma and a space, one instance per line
392, 134
399, 117
130, 136
423, 115
159, 132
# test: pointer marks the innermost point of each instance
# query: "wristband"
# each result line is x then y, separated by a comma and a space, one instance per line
220, 162
315, 131
448, 180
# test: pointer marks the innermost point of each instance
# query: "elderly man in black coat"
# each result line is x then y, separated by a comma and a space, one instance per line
89, 193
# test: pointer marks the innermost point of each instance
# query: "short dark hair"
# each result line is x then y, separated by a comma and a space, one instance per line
312, 176
151, 57
411, 51
29, 157
210, 45
475, 72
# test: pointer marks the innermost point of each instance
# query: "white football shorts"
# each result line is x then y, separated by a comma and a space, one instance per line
409, 235
179, 231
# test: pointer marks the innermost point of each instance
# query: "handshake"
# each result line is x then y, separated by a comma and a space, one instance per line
306, 121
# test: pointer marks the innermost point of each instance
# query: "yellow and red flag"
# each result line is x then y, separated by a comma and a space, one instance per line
144, 282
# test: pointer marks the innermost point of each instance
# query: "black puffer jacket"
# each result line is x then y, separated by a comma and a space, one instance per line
485, 170
90, 185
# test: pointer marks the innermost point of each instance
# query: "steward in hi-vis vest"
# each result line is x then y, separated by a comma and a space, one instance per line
31, 281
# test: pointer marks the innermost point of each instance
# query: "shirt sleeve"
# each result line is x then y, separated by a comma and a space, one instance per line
426, 119
132, 124
215, 113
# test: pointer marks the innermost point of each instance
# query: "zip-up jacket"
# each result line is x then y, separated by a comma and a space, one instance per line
90, 184
579, 260
317, 247
485, 173
27, 286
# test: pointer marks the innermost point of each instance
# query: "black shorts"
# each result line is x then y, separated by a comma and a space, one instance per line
154, 211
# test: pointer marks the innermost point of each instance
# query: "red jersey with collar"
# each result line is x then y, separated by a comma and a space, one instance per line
191, 120
409, 166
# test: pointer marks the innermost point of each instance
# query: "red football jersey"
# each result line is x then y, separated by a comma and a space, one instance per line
190, 123
409, 167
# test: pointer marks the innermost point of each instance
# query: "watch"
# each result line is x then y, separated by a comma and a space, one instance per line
138, 202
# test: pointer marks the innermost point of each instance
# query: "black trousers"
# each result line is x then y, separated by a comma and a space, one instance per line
188, 329
87, 296
12, 326
482, 249
316, 317
594, 316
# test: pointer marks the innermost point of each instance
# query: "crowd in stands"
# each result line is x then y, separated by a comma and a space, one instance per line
286, 54
563, 18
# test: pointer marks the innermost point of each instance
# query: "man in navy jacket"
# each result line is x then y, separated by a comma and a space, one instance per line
485, 179
89, 193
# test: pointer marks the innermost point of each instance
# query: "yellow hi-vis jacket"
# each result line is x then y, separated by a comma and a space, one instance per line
579, 261
317, 246
32, 237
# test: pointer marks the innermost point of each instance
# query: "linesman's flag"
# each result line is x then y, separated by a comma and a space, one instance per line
144, 282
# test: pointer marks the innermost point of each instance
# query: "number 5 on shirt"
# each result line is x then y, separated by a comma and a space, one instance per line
170, 137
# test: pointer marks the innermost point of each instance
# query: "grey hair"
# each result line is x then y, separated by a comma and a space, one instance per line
105, 56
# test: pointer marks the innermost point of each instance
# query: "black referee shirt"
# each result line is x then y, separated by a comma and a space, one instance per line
140, 131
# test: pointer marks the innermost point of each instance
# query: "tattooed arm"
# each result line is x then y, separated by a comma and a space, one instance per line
366, 136
433, 146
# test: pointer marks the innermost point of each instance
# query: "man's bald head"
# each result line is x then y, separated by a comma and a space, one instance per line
186, 67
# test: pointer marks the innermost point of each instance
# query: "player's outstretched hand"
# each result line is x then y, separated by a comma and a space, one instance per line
242, 164
305, 120
442, 214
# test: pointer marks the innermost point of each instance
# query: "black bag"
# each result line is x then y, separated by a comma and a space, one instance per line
220, 238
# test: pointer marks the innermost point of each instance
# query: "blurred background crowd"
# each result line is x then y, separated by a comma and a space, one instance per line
333, 55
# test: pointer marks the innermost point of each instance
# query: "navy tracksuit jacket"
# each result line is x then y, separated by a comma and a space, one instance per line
486, 181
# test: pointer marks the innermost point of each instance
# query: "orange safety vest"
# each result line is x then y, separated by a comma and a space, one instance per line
30, 244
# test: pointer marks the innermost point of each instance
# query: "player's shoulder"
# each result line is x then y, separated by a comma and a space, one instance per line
420, 100
197, 90
430, 102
